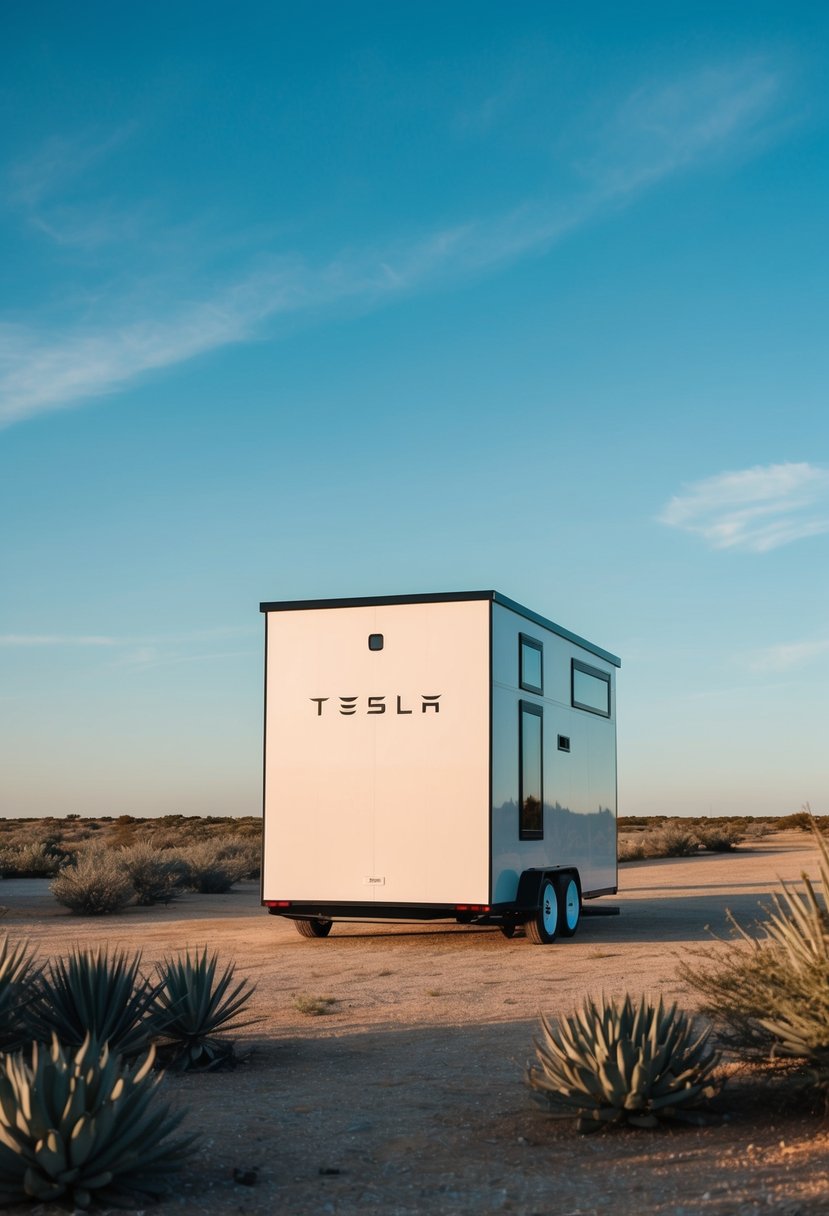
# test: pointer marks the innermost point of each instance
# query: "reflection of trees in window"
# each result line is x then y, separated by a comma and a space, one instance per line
531, 820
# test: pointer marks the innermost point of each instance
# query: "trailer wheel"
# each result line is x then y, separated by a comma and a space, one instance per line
569, 905
543, 924
313, 928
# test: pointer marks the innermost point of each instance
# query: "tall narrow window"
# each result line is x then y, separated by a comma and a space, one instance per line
530, 664
590, 689
531, 789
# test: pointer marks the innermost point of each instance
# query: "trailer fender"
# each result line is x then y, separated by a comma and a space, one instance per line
529, 886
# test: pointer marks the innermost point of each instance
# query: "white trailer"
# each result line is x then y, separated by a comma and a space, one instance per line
445, 756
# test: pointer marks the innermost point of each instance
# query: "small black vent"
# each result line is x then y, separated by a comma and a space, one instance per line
375, 641
564, 743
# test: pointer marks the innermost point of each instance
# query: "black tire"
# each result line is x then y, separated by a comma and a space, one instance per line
313, 928
542, 926
569, 904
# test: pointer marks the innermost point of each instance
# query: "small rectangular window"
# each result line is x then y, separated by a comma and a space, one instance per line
530, 664
531, 771
564, 743
590, 689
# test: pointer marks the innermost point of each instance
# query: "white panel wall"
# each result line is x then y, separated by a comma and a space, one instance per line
390, 807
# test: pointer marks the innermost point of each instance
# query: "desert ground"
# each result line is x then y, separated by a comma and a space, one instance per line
407, 1097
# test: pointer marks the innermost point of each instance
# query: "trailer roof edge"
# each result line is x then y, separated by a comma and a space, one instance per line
444, 597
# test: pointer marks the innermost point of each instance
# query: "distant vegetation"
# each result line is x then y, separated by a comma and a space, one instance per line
649, 836
103, 865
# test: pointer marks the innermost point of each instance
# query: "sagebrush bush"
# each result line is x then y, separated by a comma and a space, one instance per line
209, 870
156, 875
771, 991
630, 848
37, 859
634, 1063
720, 839
76, 1125
94, 884
671, 840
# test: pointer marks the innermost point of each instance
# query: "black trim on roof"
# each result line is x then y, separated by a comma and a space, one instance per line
444, 597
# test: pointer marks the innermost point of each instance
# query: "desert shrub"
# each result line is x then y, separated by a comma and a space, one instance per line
19, 978
314, 1006
630, 848
801, 820
35, 859
76, 1125
671, 840
771, 991
98, 993
245, 853
720, 839
634, 1063
208, 871
193, 1010
156, 876
95, 884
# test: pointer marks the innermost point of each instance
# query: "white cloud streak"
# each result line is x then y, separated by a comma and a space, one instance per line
53, 639
789, 655
658, 131
757, 509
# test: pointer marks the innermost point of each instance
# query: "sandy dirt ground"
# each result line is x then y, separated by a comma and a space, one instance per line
407, 1097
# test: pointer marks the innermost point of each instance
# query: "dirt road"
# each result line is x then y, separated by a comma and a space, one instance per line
407, 1097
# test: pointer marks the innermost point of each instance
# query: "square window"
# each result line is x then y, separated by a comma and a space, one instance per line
375, 641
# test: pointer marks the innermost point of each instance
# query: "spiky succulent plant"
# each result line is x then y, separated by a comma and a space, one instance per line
97, 993
19, 975
629, 1062
194, 1007
76, 1125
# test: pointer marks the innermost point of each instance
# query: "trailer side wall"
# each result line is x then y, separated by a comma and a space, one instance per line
579, 784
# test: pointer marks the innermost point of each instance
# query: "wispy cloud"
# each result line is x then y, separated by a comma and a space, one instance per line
756, 509
135, 650
661, 129
53, 639
789, 655
664, 127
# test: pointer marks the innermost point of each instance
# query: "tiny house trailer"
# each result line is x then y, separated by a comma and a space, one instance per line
436, 757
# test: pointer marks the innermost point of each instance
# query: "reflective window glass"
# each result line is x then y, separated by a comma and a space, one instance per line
531, 796
531, 665
591, 689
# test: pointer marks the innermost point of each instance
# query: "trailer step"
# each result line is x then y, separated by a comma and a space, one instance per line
607, 910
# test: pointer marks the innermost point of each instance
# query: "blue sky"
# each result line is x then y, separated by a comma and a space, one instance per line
323, 300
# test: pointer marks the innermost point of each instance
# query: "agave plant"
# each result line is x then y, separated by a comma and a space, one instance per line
76, 1125
193, 1007
633, 1063
93, 992
19, 976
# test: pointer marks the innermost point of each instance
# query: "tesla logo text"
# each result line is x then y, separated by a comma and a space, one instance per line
377, 705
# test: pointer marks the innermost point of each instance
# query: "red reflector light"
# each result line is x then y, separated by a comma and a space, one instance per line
471, 907
461, 907
277, 903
